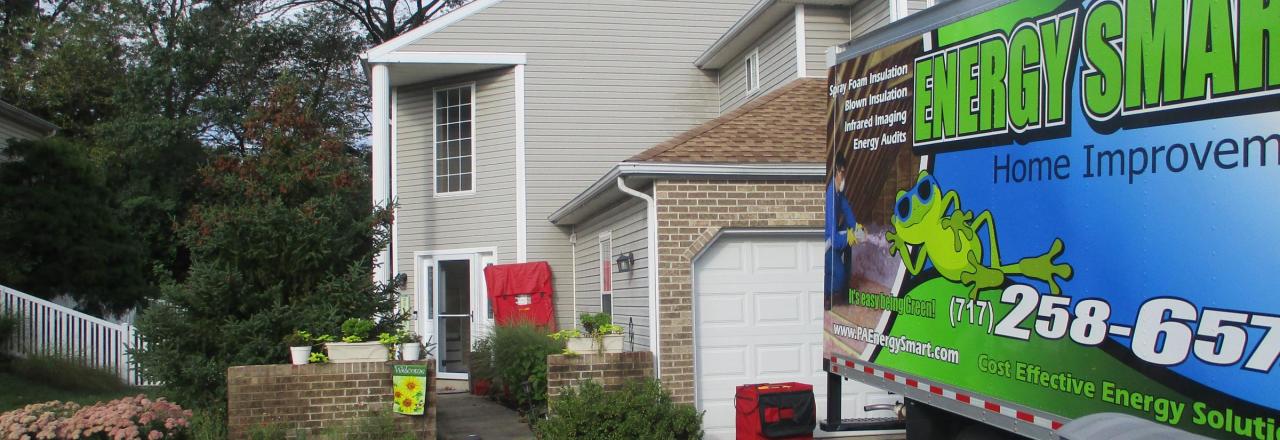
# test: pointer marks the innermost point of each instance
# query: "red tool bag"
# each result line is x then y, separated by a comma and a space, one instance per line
776, 411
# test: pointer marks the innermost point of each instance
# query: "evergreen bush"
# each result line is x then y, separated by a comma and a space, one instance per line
640, 410
281, 240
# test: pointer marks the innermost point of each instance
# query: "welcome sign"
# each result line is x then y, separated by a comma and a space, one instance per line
409, 389
1068, 206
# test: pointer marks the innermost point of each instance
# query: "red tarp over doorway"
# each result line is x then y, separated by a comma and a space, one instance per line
521, 292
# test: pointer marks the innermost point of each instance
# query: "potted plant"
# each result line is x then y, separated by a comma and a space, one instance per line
299, 343
356, 345
602, 336
410, 346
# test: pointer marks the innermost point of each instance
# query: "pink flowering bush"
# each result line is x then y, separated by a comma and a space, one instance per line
127, 418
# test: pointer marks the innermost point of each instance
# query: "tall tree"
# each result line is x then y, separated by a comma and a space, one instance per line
281, 239
381, 20
60, 233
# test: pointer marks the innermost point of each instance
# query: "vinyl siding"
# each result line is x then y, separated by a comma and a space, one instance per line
629, 228
824, 26
914, 6
777, 65
483, 219
867, 16
605, 79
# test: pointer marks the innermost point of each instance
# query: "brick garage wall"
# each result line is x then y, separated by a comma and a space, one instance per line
317, 396
690, 215
610, 370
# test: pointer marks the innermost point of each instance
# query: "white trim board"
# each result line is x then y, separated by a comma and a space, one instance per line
801, 63
451, 58
522, 196
431, 27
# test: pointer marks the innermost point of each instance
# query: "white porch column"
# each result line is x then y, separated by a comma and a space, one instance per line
380, 140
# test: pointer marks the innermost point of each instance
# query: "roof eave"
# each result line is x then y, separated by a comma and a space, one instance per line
574, 212
27, 119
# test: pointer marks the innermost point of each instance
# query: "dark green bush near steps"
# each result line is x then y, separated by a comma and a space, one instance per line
640, 410
514, 359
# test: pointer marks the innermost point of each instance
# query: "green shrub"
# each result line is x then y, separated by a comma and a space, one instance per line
641, 409
209, 424
592, 321
356, 330
65, 374
520, 364
480, 365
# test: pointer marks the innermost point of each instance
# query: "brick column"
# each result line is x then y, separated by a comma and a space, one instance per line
691, 213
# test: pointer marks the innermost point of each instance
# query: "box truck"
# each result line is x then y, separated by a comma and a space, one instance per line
1060, 218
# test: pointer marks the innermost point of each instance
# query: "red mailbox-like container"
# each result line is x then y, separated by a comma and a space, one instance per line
776, 411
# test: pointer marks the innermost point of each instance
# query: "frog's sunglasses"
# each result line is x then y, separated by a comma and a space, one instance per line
923, 192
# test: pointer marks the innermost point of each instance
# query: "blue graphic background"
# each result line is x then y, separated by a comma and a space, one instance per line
1208, 236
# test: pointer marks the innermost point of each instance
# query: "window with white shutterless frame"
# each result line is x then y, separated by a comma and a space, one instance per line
751, 70
606, 272
453, 140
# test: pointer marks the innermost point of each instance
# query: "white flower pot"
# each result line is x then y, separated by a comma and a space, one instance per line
301, 355
352, 352
587, 344
410, 351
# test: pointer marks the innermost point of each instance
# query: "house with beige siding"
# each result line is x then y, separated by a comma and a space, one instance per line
622, 142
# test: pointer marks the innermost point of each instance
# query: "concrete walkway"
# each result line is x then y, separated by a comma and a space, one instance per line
467, 417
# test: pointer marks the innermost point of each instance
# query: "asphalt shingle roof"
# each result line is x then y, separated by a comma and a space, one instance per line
786, 125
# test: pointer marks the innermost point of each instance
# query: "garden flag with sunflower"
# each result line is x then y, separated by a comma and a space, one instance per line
409, 383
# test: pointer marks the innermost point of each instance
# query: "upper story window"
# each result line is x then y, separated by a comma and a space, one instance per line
751, 67
454, 139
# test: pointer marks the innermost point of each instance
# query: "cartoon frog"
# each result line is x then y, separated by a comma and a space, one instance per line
926, 216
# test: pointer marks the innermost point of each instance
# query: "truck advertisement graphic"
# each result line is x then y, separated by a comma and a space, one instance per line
1066, 208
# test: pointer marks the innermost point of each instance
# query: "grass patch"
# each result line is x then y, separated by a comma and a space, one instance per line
44, 378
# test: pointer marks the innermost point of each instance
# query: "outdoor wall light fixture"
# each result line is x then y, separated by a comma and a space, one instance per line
626, 262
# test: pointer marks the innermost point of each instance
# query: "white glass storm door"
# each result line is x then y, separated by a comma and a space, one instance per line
458, 308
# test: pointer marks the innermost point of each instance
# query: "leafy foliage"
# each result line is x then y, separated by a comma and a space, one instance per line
356, 329
146, 91
593, 321
641, 409
280, 240
514, 359
57, 219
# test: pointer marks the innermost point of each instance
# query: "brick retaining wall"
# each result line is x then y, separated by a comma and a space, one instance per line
317, 396
610, 370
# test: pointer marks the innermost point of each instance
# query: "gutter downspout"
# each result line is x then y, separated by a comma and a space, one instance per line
655, 336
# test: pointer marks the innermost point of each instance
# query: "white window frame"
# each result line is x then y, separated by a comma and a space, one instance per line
606, 264
752, 75
435, 165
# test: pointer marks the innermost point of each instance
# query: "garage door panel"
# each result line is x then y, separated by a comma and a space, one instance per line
786, 359
776, 257
781, 308
724, 310
724, 361
727, 258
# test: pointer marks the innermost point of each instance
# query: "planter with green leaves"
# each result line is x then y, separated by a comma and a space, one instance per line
356, 346
410, 346
602, 336
300, 344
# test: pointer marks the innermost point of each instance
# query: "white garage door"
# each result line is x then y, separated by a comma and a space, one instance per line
758, 313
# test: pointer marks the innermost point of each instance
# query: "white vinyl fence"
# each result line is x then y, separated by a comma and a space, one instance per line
46, 328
